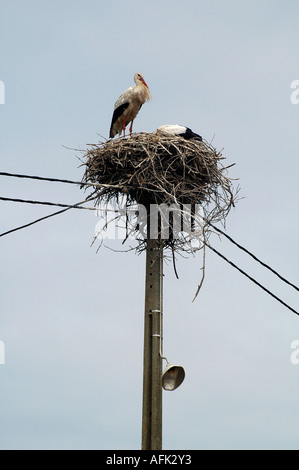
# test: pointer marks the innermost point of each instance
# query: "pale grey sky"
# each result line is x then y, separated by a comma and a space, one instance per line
71, 318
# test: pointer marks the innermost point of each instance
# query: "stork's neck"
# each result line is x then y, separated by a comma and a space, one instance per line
143, 90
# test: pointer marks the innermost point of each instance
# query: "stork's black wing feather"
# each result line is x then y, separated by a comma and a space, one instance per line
189, 134
118, 112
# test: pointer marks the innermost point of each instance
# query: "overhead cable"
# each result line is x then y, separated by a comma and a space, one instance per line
252, 279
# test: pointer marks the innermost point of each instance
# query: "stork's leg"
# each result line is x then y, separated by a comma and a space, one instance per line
124, 127
131, 127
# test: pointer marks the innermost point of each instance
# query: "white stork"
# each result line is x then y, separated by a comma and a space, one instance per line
176, 130
128, 105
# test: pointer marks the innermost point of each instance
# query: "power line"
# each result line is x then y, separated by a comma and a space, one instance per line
41, 178
26, 201
75, 206
78, 206
253, 256
211, 225
32, 223
252, 279
59, 180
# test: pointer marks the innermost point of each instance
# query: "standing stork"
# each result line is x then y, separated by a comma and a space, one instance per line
128, 105
176, 130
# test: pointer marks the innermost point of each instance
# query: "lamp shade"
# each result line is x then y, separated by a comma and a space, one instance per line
172, 377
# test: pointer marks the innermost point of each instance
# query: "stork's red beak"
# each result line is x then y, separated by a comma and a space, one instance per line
144, 82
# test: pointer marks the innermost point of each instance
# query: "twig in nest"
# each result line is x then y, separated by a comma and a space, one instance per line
174, 264
203, 268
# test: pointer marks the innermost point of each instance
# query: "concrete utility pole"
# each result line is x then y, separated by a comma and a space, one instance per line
152, 365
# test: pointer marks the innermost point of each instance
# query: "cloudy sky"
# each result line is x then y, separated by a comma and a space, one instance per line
71, 318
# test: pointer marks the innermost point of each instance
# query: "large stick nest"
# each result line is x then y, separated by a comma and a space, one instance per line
155, 169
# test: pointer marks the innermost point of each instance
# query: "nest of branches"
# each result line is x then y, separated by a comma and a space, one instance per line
157, 170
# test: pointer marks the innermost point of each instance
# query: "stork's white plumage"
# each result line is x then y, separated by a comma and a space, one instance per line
128, 105
177, 130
